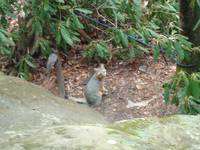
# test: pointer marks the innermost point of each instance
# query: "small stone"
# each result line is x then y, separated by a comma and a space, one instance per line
114, 109
112, 142
143, 68
78, 100
138, 105
139, 87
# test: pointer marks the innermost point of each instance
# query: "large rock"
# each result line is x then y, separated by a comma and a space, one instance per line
33, 119
23, 104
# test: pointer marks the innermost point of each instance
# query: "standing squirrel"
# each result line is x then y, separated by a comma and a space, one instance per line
95, 86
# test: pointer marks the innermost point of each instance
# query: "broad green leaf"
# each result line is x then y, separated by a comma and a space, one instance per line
3, 38
194, 87
196, 100
66, 36
29, 63
75, 38
5, 51
77, 23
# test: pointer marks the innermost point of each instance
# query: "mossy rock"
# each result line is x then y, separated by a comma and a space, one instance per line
26, 104
33, 119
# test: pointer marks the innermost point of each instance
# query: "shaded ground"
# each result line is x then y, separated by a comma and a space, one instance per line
135, 89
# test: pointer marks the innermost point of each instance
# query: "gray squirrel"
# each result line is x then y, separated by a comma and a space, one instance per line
95, 86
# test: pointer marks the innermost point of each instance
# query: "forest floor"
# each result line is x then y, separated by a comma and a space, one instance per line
134, 89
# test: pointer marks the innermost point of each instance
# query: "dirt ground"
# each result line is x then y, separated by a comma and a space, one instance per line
135, 89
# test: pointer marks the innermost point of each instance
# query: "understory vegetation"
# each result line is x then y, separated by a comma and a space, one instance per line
124, 30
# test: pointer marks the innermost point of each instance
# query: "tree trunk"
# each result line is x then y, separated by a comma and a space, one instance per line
189, 17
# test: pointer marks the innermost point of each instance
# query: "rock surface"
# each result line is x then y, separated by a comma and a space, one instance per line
33, 119
25, 104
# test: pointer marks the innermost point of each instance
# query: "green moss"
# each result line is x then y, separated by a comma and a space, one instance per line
31, 146
169, 119
132, 127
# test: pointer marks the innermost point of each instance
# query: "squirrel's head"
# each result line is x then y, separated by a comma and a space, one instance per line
100, 72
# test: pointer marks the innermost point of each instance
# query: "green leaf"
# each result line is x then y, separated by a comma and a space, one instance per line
66, 36
23, 75
77, 23
123, 38
37, 27
179, 50
75, 38
102, 50
145, 50
196, 100
153, 33
5, 51
29, 63
121, 17
194, 87
45, 47
185, 79
85, 11
60, 1
2, 38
